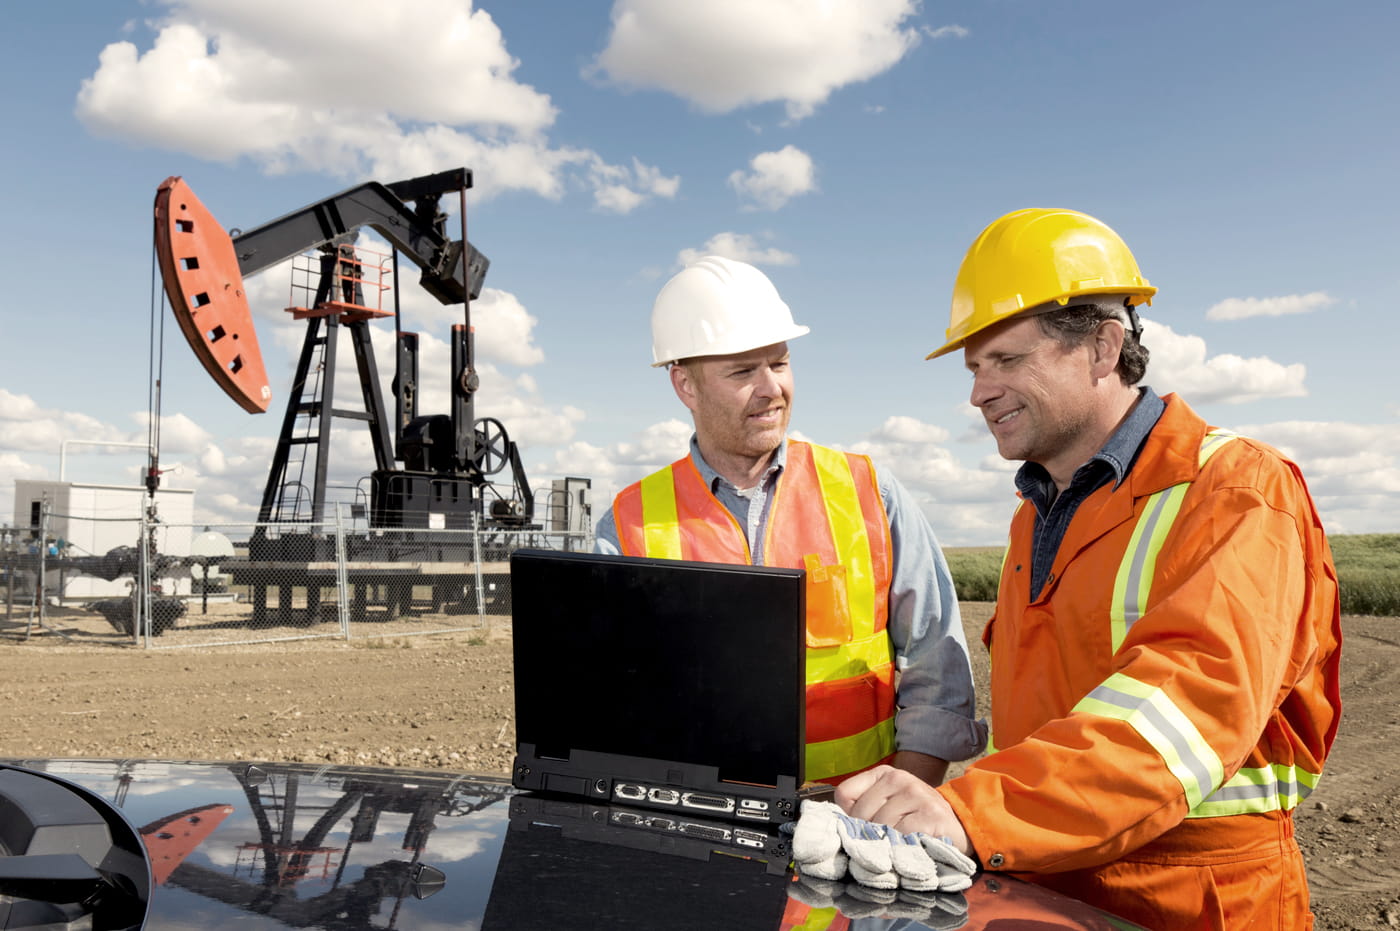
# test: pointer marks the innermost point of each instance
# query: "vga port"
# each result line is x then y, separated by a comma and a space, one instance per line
664, 796
661, 824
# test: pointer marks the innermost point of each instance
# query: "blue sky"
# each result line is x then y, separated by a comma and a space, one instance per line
850, 148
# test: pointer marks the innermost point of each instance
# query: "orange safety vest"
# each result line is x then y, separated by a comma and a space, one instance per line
1172, 694
798, 916
827, 517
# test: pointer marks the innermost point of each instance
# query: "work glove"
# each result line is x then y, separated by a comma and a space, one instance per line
829, 844
939, 911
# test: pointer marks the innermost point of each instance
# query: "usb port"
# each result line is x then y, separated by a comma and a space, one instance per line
707, 802
664, 796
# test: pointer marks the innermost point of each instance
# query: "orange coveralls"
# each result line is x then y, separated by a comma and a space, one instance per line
1171, 696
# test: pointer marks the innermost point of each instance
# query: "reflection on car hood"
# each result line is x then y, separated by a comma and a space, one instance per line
264, 845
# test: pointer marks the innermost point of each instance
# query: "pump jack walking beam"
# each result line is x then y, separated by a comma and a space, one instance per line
203, 267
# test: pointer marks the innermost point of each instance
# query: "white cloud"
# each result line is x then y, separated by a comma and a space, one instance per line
917, 453
12, 468
945, 32
740, 247
25, 426
178, 433
726, 54
774, 178
347, 87
617, 465
1240, 308
504, 329
621, 190
1179, 363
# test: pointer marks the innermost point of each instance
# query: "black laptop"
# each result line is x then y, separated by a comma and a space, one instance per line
660, 684
573, 864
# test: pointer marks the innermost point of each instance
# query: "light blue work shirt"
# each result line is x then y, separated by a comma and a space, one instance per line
935, 698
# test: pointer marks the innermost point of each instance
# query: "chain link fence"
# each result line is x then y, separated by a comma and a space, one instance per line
207, 585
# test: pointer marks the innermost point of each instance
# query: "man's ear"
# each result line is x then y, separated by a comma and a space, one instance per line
1105, 348
683, 383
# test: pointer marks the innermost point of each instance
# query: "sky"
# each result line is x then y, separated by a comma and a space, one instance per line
852, 149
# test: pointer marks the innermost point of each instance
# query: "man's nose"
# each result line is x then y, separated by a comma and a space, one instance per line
984, 389
769, 384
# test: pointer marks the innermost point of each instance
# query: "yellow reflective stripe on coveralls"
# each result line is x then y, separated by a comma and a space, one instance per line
1133, 584
1249, 791
1163, 725
662, 527
848, 534
1258, 789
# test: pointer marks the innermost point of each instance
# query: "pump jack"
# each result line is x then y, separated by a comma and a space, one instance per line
447, 458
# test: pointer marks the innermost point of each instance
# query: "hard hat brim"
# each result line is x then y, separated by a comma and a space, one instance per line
782, 337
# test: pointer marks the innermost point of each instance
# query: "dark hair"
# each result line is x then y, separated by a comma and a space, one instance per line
1072, 325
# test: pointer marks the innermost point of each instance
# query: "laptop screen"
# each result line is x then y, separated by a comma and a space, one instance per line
684, 662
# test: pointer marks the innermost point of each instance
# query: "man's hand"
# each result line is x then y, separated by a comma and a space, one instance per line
904, 802
828, 844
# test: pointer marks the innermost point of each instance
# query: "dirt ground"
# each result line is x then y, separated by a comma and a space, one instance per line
445, 701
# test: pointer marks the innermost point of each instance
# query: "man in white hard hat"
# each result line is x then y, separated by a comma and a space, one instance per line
888, 674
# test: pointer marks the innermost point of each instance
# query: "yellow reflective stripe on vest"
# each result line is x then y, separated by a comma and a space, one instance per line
1162, 724
1258, 789
661, 526
1133, 583
848, 534
848, 754
827, 664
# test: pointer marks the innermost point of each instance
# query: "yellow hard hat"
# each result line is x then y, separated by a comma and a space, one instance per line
1032, 257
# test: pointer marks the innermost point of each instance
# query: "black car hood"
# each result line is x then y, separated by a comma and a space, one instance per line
262, 845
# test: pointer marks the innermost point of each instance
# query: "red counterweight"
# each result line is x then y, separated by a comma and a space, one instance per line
205, 288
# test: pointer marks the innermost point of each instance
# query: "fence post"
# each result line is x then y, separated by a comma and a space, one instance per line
141, 601
38, 604
476, 556
342, 573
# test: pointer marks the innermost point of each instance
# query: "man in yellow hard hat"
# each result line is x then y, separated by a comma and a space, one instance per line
888, 673
1166, 635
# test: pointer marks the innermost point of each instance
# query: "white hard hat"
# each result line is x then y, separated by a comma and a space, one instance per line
717, 307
